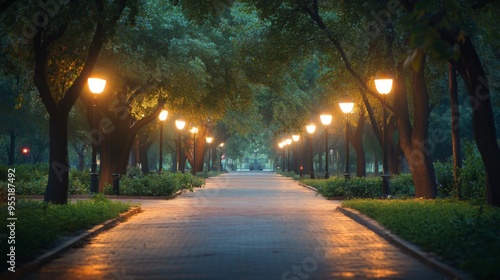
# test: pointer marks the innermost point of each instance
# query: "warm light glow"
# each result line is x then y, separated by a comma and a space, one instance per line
210, 139
346, 107
163, 115
194, 130
383, 86
180, 124
326, 119
295, 137
311, 128
96, 85
281, 145
221, 144
288, 141
25, 150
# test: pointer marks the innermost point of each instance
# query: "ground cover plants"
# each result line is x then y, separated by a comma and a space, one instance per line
460, 233
39, 224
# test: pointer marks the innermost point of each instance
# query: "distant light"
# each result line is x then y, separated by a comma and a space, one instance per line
163, 115
295, 137
326, 119
311, 128
180, 124
346, 107
25, 151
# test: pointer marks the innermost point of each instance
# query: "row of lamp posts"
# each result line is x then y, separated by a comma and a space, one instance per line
181, 124
383, 85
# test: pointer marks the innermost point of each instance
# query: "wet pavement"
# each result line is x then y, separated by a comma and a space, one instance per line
242, 225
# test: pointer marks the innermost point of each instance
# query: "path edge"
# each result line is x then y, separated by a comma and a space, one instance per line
61, 248
407, 247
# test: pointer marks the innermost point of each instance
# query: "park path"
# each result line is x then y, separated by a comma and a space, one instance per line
242, 225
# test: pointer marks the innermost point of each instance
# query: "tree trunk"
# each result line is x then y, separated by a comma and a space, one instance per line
58, 184
356, 140
472, 72
12, 146
143, 151
455, 128
413, 140
115, 151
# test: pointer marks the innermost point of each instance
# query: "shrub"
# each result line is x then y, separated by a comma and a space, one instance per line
357, 187
157, 185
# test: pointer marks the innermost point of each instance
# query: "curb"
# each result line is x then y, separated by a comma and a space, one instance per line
56, 251
317, 193
405, 246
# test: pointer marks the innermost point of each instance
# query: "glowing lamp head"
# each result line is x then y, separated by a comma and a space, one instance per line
311, 128
326, 119
346, 107
25, 151
221, 144
288, 141
194, 130
96, 85
209, 139
295, 137
383, 85
180, 124
163, 115
281, 145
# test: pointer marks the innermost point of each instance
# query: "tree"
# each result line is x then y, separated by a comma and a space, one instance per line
436, 31
64, 50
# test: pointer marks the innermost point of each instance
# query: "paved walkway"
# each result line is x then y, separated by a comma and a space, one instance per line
240, 226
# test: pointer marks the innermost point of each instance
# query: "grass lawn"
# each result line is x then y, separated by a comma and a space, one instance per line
465, 236
39, 224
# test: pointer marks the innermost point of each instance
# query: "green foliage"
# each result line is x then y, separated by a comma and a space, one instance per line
157, 185
39, 224
462, 234
472, 176
357, 187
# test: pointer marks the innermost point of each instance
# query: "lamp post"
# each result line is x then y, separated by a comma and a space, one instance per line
221, 145
194, 130
96, 87
295, 138
288, 142
162, 117
346, 108
209, 139
326, 119
384, 86
310, 129
282, 152
180, 124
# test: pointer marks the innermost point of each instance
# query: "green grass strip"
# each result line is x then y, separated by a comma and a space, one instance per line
465, 236
39, 224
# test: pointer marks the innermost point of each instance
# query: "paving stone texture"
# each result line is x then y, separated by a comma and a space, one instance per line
242, 225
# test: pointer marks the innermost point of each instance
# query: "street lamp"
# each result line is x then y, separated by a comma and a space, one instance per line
180, 124
310, 129
326, 119
96, 87
346, 108
282, 145
162, 117
295, 138
194, 130
288, 142
384, 86
209, 140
